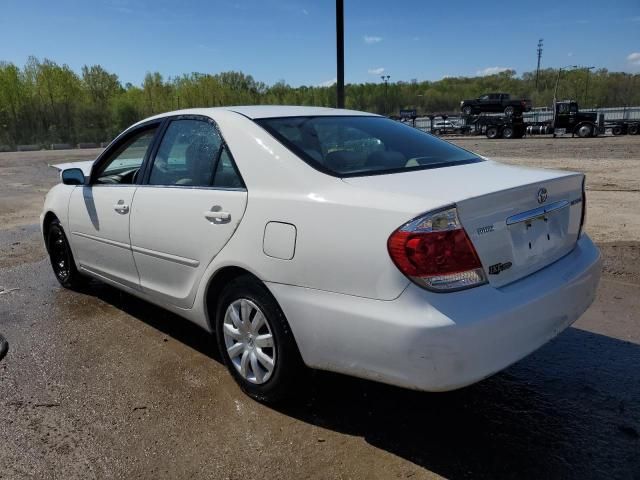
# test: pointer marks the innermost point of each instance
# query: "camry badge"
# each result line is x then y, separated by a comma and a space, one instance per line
542, 195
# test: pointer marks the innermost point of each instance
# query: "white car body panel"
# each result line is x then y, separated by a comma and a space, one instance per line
319, 243
439, 342
172, 262
99, 234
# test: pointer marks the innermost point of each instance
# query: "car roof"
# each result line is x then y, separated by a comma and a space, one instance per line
268, 111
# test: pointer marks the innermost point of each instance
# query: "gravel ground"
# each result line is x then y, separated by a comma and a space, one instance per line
102, 385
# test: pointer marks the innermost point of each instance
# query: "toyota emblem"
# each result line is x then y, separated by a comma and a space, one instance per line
542, 195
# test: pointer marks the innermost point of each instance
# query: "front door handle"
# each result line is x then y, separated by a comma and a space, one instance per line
220, 216
120, 207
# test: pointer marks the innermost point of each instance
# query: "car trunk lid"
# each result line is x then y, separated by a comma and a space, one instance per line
518, 219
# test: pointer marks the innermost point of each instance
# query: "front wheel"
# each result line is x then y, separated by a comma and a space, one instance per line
585, 130
256, 342
62, 262
467, 110
509, 110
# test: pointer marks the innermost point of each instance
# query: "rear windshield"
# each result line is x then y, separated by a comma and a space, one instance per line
356, 146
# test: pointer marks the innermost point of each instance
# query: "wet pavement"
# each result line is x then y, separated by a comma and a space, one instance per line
102, 385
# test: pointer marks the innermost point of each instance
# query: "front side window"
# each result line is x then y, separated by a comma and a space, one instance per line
187, 154
123, 164
363, 145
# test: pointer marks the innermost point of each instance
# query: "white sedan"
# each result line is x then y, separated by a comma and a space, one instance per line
331, 239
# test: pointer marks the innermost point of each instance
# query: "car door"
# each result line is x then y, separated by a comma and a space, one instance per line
484, 103
99, 212
494, 104
191, 201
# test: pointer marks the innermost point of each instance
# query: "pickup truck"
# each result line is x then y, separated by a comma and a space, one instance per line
495, 103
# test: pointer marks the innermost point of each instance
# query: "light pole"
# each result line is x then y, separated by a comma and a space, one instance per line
385, 79
340, 53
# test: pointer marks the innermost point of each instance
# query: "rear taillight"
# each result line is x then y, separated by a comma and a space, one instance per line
435, 252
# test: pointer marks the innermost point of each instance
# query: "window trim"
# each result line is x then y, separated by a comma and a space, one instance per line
321, 168
146, 174
116, 143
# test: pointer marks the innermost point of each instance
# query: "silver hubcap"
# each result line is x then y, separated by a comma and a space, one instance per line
249, 342
584, 131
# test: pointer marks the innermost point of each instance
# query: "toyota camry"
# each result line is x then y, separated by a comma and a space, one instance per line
339, 240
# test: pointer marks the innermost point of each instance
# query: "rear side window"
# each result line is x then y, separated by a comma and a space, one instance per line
227, 175
187, 154
363, 145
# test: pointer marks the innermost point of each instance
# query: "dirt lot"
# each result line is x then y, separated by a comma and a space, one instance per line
102, 385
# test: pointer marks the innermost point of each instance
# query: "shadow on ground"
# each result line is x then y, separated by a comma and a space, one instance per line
568, 411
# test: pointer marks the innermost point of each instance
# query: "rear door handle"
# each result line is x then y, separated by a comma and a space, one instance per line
120, 207
224, 216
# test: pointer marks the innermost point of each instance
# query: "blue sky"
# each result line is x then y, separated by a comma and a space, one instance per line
295, 40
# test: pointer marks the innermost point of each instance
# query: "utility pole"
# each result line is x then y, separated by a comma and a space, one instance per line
385, 79
340, 53
539, 57
586, 87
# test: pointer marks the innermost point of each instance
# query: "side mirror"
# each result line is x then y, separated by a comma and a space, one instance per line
73, 176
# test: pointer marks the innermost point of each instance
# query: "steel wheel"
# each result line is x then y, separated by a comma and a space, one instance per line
249, 341
509, 110
492, 132
584, 131
467, 110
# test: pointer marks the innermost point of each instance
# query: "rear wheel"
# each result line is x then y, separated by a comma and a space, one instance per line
62, 262
509, 110
436, 132
585, 130
507, 132
492, 132
617, 130
634, 129
256, 342
467, 110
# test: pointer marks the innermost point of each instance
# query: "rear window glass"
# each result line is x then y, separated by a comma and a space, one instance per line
357, 146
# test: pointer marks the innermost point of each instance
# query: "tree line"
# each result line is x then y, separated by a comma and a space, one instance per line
44, 102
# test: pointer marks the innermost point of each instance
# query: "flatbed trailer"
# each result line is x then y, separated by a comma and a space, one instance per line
567, 119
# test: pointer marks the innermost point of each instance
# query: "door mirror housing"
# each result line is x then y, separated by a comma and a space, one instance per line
73, 176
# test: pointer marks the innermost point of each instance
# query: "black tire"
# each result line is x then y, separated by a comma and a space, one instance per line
508, 132
585, 130
284, 381
617, 130
634, 129
509, 110
62, 262
492, 132
436, 132
467, 110
4, 347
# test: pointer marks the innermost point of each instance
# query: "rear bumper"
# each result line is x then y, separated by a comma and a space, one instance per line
437, 342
